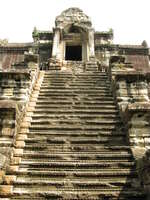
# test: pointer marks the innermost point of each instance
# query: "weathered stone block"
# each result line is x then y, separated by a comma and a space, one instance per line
3, 160
35, 95
20, 144
21, 136
30, 109
24, 130
137, 142
27, 119
15, 160
7, 131
2, 173
32, 104
25, 124
13, 168
6, 190
147, 141
9, 179
18, 152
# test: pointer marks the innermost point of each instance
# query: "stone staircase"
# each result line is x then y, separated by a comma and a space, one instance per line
72, 144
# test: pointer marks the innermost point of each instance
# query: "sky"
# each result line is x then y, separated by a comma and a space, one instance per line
130, 19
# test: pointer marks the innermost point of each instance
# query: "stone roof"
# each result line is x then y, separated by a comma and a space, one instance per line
140, 62
132, 46
8, 59
13, 53
73, 16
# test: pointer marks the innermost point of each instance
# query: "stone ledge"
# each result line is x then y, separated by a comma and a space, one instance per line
6, 190
2, 173
9, 179
31, 57
131, 75
8, 104
134, 107
15, 71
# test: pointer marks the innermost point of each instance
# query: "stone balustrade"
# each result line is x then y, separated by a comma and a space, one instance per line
15, 90
131, 91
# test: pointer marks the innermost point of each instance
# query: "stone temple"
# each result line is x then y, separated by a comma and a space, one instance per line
74, 115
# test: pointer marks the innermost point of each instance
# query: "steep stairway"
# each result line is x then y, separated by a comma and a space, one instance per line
74, 145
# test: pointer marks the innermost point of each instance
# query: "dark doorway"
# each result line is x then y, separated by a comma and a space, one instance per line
73, 53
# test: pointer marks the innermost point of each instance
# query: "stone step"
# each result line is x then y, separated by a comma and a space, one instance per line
81, 74
60, 76
74, 93
67, 113
77, 132
68, 109
77, 106
46, 181
111, 180
40, 127
75, 86
83, 141
74, 112
64, 81
65, 135
26, 197
73, 184
6, 142
75, 121
103, 116
82, 84
66, 138
14, 98
75, 80
103, 156
65, 102
53, 165
80, 173
75, 90
72, 96
52, 85
67, 82
75, 74
54, 193
77, 98
57, 147
75, 148
76, 77
76, 164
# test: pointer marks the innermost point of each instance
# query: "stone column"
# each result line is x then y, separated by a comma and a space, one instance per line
56, 41
91, 43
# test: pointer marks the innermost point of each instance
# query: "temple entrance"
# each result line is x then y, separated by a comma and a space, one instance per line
73, 53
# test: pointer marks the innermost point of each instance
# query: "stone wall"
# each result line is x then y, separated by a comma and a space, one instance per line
132, 97
7, 131
16, 87
131, 91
